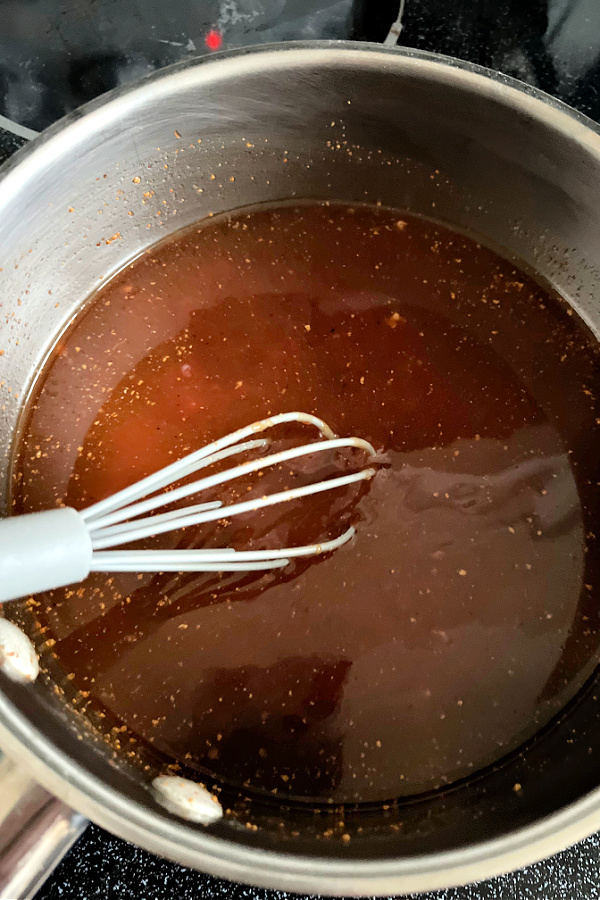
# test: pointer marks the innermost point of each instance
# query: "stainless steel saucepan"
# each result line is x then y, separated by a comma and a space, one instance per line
353, 122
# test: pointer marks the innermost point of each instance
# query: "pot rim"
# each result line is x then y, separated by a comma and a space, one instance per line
193, 846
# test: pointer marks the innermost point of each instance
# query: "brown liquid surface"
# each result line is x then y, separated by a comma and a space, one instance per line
462, 615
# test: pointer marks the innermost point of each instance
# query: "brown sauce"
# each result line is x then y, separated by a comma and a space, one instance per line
463, 614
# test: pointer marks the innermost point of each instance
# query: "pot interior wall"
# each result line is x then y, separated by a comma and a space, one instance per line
332, 123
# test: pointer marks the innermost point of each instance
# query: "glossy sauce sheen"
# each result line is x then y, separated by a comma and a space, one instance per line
460, 618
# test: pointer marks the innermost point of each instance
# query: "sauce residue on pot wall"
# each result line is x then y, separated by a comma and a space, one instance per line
459, 619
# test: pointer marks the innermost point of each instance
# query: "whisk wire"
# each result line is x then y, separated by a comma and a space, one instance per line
188, 560
173, 472
135, 531
247, 468
70, 544
121, 518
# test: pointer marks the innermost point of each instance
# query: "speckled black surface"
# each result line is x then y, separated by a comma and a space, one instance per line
9, 144
55, 56
101, 867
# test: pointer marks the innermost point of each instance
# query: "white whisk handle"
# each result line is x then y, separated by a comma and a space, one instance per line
41, 551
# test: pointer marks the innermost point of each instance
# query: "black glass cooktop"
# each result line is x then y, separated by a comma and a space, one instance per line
57, 54
101, 867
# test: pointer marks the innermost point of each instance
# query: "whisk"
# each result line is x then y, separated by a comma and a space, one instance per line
54, 548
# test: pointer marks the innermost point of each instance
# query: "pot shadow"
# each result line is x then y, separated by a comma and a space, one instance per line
269, 728
94, 647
